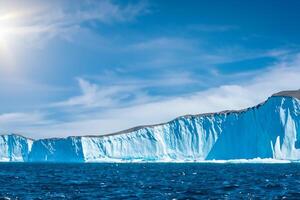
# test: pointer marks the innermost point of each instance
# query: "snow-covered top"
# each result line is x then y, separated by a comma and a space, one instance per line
288, 93
15, 135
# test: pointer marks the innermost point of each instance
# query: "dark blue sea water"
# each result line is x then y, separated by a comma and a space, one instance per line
149, 181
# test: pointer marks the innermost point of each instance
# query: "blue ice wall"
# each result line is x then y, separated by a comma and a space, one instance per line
57, 150
14, 148
269, 130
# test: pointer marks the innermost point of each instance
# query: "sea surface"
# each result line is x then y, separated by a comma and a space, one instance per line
149, 181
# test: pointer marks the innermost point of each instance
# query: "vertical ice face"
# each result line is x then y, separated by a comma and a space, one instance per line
57, 150
286, 145
14, 148
269, 130
178, 140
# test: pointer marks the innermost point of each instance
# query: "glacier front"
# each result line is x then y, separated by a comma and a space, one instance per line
270, 130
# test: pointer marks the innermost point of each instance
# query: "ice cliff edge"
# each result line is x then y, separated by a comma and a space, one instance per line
269, 130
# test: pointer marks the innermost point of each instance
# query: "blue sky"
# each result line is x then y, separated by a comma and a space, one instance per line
96, 67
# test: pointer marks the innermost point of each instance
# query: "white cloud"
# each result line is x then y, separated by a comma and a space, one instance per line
282, 76
227, 97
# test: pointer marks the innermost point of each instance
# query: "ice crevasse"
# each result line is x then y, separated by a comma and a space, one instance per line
268, 130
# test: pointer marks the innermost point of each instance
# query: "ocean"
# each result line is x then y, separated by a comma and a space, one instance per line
149, 181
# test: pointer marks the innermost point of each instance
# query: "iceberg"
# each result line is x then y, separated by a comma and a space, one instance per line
269, 131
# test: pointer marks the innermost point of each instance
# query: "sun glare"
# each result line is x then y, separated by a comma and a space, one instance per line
7, 37
6, 28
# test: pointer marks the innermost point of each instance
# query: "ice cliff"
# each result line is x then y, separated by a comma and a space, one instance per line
14, 148
269, 130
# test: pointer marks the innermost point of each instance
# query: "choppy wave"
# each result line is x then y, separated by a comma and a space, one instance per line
149, 180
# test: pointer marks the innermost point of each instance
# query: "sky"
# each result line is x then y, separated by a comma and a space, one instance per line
94, 67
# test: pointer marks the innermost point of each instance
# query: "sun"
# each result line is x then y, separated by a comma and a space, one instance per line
8, 30
7, 27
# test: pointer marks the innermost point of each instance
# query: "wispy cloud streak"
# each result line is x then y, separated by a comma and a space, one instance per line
58, 18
